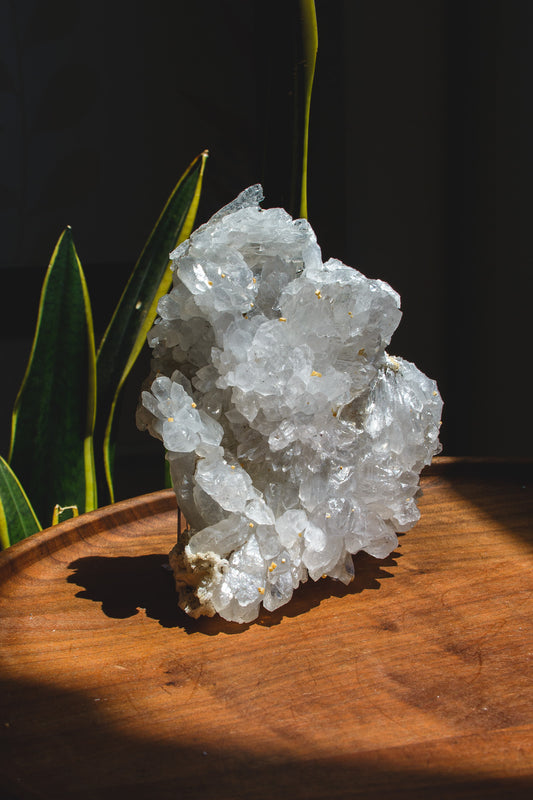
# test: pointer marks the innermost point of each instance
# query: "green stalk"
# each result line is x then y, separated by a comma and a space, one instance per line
310, 48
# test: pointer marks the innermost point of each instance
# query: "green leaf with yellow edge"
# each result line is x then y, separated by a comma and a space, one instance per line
53, 419
137, 308
310, 46
17, 517
303, 87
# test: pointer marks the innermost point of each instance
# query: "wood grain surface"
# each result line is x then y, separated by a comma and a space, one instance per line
414, 681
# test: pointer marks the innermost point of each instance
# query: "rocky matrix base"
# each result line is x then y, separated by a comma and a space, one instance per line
294, 440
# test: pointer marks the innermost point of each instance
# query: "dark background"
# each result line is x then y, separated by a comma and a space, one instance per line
420, 170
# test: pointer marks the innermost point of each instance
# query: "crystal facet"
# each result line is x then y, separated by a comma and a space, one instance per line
294, 440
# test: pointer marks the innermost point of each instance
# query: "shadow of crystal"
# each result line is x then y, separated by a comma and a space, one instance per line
125, 585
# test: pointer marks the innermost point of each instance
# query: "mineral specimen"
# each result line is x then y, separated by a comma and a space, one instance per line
294, 440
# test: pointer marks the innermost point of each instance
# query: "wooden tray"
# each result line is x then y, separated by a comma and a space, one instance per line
416, 679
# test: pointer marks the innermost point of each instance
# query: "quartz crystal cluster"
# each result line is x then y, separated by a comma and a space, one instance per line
294, 439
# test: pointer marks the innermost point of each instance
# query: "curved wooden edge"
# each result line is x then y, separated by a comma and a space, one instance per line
477, 466
51, 539
54, 538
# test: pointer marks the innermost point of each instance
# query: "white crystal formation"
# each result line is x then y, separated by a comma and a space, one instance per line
294, 439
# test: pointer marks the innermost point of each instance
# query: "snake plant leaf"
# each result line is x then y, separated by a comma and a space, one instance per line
17, 517
136, 311
310, 43
53, 419
303, 87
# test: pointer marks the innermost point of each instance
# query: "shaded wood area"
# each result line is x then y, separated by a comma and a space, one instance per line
416, 678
